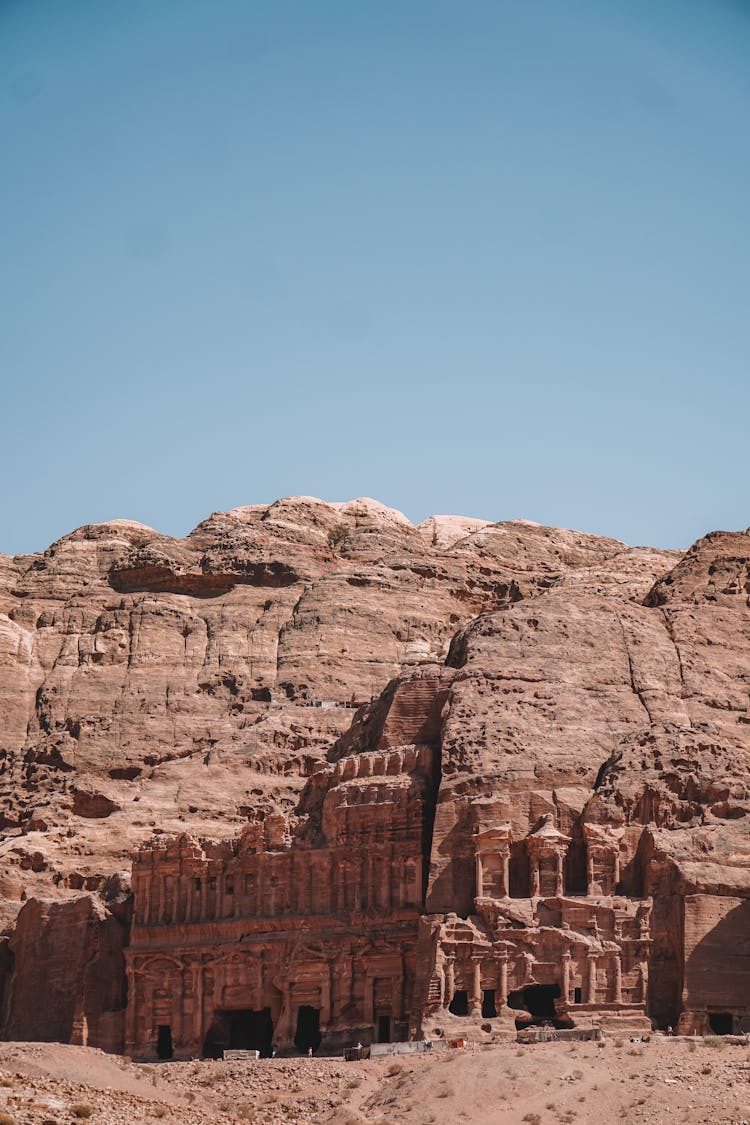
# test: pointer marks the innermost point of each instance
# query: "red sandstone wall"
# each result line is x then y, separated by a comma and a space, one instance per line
717, 953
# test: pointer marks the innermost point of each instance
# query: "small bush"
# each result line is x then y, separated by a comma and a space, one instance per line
394, 1069
532, 1119
6, 1080
706, 1069
354, 1083
81, 1111
714, 1041
338, 536
160, 1111
7, 1119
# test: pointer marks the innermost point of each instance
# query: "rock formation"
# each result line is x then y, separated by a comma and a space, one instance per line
372, 779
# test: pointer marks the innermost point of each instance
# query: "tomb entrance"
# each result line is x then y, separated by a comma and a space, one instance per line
307, 1036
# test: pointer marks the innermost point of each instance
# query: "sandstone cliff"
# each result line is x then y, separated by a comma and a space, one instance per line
156, 686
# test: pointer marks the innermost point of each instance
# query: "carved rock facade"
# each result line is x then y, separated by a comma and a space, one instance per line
316, 936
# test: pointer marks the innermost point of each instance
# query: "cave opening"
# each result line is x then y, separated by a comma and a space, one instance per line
459, 1005
307, 1036
243, 1029
164, 1045
384, 1029
720, 1023
538, 1000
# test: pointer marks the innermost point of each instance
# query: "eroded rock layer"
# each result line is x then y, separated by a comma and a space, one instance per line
378, 779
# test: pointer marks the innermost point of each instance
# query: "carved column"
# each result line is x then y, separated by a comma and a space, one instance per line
450, 980
617, 989
130, 1012
369, 1012
204, 896
502, 979
385, 886
260, 884
644, 981
146, 884
559, 879
325, 996
534, 875
589, 871
198, 1004
475, 1008
397, 995
479, 875
591, 983
566, 975
505, 873
177, 1011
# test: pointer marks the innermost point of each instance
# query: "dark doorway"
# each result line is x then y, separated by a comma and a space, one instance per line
459, 1005
308, 1035
577, 996
384, 1029
576, 875
721, 1023
241, 1030
164, 1048
538, 1000
518, 871
489, 1011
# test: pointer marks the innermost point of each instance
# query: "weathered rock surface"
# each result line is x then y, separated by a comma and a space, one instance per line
155, 686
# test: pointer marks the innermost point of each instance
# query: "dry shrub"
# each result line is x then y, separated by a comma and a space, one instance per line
353, 1083
7, 1119
706, 1069
394, 1069
160, 1111
532, 1119
6, 1080
81, 1110
714, 1041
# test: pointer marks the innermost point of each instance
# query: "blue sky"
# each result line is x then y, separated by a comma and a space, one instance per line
478, 257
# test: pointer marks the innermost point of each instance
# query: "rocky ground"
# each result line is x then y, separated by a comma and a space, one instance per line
697, 1082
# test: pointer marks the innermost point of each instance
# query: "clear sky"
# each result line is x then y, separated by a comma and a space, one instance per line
479, 257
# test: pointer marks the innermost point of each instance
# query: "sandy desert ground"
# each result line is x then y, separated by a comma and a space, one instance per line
666, 1080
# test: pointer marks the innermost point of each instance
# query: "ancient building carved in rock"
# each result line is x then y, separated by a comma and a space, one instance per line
276, 941
314, 934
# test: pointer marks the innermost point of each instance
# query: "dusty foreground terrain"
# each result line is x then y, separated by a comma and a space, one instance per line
706, 1081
